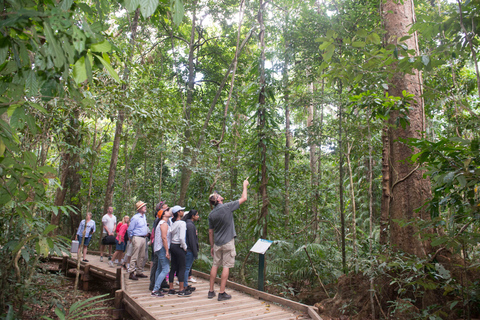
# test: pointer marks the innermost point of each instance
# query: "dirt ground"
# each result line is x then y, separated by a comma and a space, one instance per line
53, 290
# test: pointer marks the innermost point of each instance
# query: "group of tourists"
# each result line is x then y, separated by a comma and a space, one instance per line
174, 242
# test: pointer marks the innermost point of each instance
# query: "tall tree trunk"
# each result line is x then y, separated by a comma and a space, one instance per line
61, 191
288, 134
128, 159
386, 186
340, 185
262, 126
119, 126
186, 171
409, 190
92, 163
313, 157
370, 211
354, 212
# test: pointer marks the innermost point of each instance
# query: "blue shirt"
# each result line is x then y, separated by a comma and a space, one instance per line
138, 226
90, 228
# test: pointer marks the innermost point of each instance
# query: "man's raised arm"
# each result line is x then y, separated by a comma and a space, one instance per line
243, 198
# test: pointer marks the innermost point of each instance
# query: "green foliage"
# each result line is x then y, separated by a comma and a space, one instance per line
81, 309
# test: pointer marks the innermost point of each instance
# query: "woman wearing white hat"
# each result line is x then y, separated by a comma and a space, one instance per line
178, 249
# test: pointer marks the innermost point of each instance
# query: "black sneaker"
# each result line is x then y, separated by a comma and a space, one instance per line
184, 293
171, 292
211, 294
224, 296
190, 288
85, 260
157, 294
109, 258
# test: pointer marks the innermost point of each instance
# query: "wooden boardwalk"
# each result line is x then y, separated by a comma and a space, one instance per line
134, 297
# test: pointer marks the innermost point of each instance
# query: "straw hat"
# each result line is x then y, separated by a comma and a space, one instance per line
140, 204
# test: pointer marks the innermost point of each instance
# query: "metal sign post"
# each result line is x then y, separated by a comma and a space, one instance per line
260, 247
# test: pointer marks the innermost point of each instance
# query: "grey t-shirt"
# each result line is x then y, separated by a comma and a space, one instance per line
221, 221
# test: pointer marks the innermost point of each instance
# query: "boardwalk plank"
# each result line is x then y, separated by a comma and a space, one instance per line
242, 306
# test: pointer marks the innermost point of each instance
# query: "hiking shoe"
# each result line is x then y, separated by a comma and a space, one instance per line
211, 294
110, 264
171, 292
190, 288
141, 275
132, 276
224, 296
109, 258
157, 294
184, 293
85, 260
192, 279
101, 259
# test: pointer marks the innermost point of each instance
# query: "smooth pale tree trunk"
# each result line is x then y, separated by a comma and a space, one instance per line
92, 163
354, 212
118, 128
288, 133
227, 104
262, 126
185, 179
128, 159
187, 152
409, 190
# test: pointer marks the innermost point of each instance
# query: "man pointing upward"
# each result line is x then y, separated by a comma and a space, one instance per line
221, 233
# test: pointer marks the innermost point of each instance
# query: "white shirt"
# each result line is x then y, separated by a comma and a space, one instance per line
179, 233
158, 242
109, 222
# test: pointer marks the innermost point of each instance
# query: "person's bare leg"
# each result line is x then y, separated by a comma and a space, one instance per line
223, 279
181, 286
111, 250
213, 274
102, 248
84, 252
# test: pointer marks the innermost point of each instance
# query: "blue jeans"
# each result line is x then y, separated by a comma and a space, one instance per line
163, 267
188, 265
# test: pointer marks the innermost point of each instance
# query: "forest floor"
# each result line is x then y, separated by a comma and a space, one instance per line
57, 291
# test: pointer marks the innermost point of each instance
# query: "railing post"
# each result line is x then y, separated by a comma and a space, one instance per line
118, 305
261, 276
86, 277
65, 265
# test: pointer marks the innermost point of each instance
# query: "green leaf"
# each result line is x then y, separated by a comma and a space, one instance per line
131, 5
79, 71
425, 60
58, 55
103, 46
439, 241
109, 68
404, 38
358, 44
375, 38
59, 313
331, 34
3, 50
31, 83
362, 33
148, 7
324, 45
179, 11
49, 229
461, 179
66, 4
38, 107
327, 56
78, 39
395, 52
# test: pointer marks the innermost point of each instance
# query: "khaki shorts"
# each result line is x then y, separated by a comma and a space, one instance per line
224, 255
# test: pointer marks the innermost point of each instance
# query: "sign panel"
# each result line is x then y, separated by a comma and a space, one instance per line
261, 246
